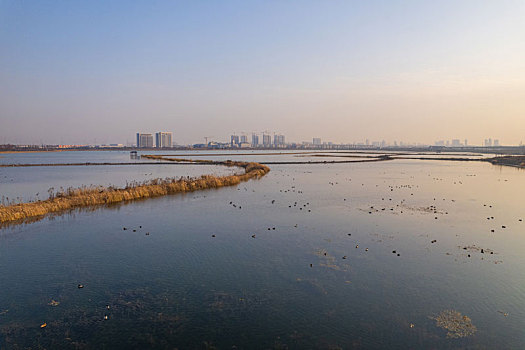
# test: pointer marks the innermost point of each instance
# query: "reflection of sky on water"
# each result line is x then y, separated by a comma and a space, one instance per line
261, 292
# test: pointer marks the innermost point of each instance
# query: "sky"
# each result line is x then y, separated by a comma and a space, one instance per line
97, 72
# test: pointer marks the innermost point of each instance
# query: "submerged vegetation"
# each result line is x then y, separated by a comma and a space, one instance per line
97, 195
457, 325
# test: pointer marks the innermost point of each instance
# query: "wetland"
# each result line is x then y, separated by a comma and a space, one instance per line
405, 253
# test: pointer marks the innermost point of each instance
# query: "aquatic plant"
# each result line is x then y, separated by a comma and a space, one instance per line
70, 198
457, 325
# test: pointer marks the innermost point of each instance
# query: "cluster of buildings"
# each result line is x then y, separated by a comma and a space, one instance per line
241, 141
162, 140
451, 143
491, 143
457, 143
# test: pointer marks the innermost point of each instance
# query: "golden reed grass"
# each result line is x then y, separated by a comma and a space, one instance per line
90, 196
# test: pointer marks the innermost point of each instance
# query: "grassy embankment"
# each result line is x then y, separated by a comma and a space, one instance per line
89, 196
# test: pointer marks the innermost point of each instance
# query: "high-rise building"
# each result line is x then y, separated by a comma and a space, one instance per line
244, 139
163, 139
234, 140
144, 140
278, 140
496, 143
456, 143
255, 140
316, 141
466, 143
267, 140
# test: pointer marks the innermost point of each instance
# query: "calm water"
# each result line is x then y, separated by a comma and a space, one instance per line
181, 287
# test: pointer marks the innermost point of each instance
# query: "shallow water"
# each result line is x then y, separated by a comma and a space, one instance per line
181, 287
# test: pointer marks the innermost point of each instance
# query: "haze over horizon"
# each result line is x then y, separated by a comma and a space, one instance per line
344, 71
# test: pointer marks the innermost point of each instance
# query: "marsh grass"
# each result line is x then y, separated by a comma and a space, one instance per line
71, 198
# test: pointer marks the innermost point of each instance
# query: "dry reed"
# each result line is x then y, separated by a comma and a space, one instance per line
89, 196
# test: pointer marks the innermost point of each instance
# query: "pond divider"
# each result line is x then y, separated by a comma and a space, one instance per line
72, 198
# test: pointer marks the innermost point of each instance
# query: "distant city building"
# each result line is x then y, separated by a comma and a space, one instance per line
267, 140
255, 140
488, 143
278, 140
316, 141
466, 143
244, 139
234, 140
163, 139
439, 143
496, 143
456, 143
144, 140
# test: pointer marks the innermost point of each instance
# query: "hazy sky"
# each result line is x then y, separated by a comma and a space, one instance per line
418, 71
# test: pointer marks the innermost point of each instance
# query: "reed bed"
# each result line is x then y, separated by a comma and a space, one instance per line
97, 195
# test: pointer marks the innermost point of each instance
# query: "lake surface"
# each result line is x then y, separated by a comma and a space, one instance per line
286, 287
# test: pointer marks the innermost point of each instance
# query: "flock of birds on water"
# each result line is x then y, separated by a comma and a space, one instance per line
401, 207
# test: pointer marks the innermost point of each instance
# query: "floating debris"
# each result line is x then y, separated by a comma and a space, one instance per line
53, 303
457, 325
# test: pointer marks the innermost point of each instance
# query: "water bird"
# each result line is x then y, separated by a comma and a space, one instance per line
253, 236
357, 246
344, 257
213, 235
43, 325
147, 233
105, 317
80, 286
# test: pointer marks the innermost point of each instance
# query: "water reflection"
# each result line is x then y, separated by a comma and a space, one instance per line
320, 272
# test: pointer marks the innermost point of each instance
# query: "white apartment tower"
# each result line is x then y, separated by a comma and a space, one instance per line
163, 139
144, 140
